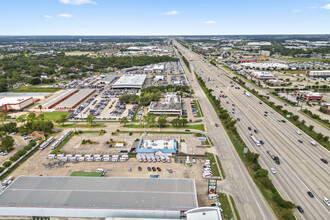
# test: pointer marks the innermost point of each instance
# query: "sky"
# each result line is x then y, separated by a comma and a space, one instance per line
164, 17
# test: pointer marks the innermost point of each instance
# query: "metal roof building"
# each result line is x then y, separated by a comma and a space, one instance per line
75, 99
130, 81
90, 197
57, 98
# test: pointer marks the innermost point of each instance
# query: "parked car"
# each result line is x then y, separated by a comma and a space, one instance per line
158, 168
169, 170
149, 169
129, 169
153, 169
216, 204
139, 168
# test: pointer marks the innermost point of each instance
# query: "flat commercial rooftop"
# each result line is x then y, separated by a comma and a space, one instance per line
99, 192
130, 81
12, 100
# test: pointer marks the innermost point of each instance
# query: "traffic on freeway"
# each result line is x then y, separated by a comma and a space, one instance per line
299, 167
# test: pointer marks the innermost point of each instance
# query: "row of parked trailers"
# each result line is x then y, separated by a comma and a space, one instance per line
89, 157
60, 140
46, 143
153, 158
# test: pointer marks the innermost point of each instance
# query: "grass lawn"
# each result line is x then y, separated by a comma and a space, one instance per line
197, 127
198, 108
225, 206
36, 89
213, 164
79, 126
54, 115
301, 59
88, 174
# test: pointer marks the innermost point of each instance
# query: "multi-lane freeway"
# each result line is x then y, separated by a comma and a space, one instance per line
248, 199
300, 170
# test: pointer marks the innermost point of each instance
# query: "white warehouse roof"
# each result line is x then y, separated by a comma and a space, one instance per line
97, 197
130, 81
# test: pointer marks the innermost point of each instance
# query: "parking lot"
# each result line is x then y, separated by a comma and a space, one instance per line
19, 144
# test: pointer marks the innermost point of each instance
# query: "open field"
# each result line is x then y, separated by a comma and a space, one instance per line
88, 174
305, 60
36, 89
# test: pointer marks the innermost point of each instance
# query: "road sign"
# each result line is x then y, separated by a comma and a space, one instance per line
201, 138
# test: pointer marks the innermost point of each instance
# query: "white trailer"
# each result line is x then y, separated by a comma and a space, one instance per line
255, 140
81, 159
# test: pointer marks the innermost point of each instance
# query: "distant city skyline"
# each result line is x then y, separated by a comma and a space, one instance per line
171, 17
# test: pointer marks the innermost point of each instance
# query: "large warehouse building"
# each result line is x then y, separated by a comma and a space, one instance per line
88, 197
74, 100
130, 81
57, 98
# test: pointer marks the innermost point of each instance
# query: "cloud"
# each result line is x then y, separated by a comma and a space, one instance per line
171, 12
77, 2
312, 7
326, 7
209, 22
48, 16
65, 15
296, 10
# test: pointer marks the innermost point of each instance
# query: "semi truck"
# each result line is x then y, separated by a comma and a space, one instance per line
255, 140
275, 158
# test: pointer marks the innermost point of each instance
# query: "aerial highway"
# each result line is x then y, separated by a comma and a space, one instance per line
300, 169
249, 200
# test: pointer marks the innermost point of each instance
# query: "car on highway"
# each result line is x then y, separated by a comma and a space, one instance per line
265, 115
187, 130
148, 168
272, 170
324, 160
300, 141
313, 143
249, 128
233, 109
233, 105
153, 169
266, 112
158, 168
326, 201
300, 209
283, 121
261, 142
255, 131
260, 102
238, 119
227, 102
216, 125
139, 168
298, 132
310, 194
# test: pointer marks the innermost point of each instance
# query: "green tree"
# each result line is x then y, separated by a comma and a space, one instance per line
124, 120
162, 120
90, 119
311, 127
3, 117
7, 143
22, 118
40, 107
61, 120
261, 173
31, 116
